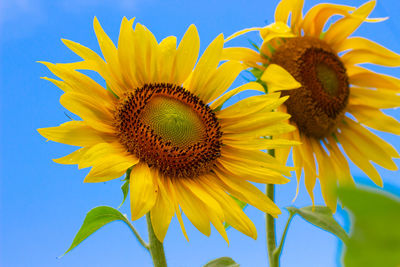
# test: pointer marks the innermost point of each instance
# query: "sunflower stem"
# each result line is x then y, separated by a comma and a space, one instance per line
155, 246
270, 229
270, 223
278, 250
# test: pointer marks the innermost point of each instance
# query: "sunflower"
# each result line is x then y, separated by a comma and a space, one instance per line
184, 154
338, 98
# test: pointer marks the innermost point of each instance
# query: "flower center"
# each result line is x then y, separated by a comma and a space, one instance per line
170, 129
319, 104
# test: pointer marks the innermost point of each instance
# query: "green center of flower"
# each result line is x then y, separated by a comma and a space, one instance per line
318, 105
173, 121
328, 78
170, 129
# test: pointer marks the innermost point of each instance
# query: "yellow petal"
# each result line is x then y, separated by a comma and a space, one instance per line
268, 130
359, 158
375, 119
248, 86
96, 63
378, 99
98, 152
186, 55
106, 45
243, 54
80, 83
248, 193
360, 43
108, 168
361, 56
371, 140
73, 158
174, 198
293, 7
340, 163
167, 52
310, 175
247, 106
327, 176
162, 212
363, 77
193, 208
126, 53
316, 18
143, 190
277, 79
242, 171
254, 157
75, 133
198, 189
206, 66
241, 32
234, 215
146, 54
220, 81
262, 143
259, 122
344, 27
60, 84
85, 107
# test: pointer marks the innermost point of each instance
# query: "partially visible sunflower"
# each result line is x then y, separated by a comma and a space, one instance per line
184, 154
338, 98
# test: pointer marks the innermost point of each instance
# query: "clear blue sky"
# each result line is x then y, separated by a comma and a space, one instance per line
43, 204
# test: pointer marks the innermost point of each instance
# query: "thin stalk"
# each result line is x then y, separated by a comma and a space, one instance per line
138, 237
278, 250
270, 228
270, 223
155, 246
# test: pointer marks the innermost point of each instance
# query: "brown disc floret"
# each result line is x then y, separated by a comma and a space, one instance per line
319, 104
170, 129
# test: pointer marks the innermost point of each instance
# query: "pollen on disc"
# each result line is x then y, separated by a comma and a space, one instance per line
173, 120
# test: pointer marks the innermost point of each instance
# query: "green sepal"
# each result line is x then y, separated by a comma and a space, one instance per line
111, 91
240, 203
94, 220
222, 262
375, 236
321, 217
125, 186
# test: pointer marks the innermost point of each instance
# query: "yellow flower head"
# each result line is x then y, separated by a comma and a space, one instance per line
326, 63
154, 117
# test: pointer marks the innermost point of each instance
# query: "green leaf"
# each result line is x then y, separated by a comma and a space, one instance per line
375, 236
241, 204
321, 217
222, 262
95, 219
125, 186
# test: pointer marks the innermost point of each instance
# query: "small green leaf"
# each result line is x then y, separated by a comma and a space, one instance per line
95, 219
375, 236
241, 204
125, 186
321, 217
222, 262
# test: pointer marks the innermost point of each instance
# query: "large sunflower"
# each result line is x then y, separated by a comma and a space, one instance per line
338, 98
185, 154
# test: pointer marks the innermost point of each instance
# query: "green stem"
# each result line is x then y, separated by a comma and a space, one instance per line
270, 229
138, 237
278, 250
155, 246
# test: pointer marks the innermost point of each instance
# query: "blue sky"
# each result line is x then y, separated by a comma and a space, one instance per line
43, 204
